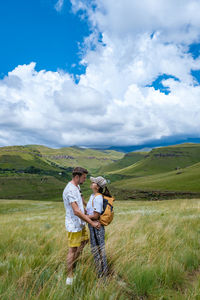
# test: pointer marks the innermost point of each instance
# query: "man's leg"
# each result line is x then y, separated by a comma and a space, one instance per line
71, 257
84, 241
80, 249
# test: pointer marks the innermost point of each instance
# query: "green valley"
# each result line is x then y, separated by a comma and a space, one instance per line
40, 172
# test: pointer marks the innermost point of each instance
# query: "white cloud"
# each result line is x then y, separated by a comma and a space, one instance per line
176, 20
112, 104
59, 5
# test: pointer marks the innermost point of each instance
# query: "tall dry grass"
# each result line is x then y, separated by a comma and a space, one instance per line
153, 250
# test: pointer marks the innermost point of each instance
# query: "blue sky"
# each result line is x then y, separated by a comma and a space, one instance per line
35, 31
109, 79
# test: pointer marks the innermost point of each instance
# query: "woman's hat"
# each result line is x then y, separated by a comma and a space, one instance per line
99, 180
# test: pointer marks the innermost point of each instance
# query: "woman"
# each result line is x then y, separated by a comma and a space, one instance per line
97, 236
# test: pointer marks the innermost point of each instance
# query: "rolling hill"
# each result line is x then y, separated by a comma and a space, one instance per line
185, 179
128, 159
31, 186
161, 160
166, 172
19, 158
72, 156
39, 172
180, 183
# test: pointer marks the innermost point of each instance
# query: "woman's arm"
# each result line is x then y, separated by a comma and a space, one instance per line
84, 202
94, 216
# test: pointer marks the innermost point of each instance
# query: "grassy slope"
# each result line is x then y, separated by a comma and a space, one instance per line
157, 172
20, 157
127, 160
31, 186
88, 158
186, 179
162, 160
38, 155
154, 253
24, 185
148, 171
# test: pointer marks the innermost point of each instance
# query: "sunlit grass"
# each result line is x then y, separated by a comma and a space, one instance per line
153, 250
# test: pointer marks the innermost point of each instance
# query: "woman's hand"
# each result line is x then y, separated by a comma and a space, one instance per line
95, 216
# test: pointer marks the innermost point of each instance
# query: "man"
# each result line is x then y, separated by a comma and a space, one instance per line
75, 220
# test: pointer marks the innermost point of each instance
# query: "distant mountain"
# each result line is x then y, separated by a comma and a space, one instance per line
154, 144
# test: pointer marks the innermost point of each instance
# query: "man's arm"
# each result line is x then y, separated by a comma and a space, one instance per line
84, 217
84, 203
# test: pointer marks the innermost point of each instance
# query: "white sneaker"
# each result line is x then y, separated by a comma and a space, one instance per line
69, 280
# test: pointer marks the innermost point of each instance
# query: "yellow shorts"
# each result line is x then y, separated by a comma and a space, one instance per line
75, 238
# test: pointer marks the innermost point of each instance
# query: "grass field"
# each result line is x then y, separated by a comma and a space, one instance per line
152, 247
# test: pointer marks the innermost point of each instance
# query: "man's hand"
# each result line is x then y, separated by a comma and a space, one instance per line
81, 215
96, 224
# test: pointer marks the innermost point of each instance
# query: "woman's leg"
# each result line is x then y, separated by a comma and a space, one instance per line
97, 242
95, 249
102, 251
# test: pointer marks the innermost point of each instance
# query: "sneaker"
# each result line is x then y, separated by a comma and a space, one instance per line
69, 280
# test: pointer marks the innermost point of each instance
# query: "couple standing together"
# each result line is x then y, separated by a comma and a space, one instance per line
78, 213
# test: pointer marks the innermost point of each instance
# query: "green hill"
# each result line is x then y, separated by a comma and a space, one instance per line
166, 172
162, 160
39, 172
19, 158
25, 175
127, 160
72, 156
31, 186
186, 179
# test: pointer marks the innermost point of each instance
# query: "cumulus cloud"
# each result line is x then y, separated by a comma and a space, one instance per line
113, 103
176, 20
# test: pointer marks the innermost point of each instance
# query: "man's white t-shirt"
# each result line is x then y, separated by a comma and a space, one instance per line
97, 204
71, 194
